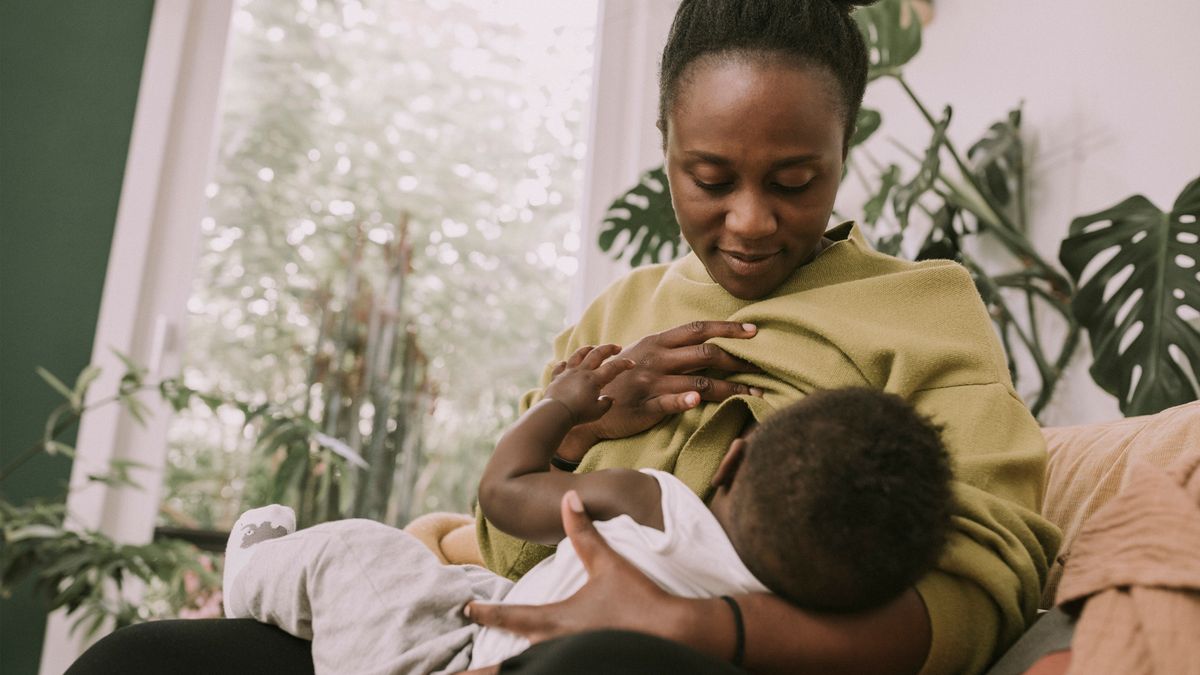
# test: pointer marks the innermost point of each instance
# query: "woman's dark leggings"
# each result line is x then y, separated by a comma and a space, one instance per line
235, 646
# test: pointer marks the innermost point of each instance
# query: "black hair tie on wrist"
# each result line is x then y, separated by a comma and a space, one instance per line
739, 649
563, 464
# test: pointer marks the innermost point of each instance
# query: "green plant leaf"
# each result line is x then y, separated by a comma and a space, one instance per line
998, 162
86, 377
59, 448
31, 532
865, 125
293, 466
943, 241
906, 196
893, 35
1141, 307
132, 370
873, 209
135, 407
646, 215
57, 384
175, 393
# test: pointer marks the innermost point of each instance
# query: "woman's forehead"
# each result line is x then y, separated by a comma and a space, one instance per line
731, 105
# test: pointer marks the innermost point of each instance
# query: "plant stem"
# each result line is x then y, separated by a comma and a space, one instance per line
40, 446
61, 426
1012, 236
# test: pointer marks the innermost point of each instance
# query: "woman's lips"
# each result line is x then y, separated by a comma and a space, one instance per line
747, 264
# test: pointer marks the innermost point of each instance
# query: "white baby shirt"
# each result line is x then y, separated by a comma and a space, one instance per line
692, 557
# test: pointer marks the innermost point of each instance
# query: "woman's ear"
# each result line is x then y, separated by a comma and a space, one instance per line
730, 463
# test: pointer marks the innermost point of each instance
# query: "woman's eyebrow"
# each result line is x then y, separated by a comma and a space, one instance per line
708, 157
777, 164
794, 160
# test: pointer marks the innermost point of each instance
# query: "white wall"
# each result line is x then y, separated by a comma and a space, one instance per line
1111, 110
1112, 99
622, 139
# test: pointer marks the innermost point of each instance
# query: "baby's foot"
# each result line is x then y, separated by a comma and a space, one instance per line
255, 525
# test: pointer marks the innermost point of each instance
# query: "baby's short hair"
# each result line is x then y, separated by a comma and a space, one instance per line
846, 499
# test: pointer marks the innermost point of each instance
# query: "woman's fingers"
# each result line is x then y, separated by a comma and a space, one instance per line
670, 404
520, 619
701, 331
589, 545
616, 595
704, 356
709, 388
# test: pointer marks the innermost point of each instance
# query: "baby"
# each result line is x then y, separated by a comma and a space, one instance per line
837, 503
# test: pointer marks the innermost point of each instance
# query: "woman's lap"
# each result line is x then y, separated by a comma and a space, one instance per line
233, 646
228, 646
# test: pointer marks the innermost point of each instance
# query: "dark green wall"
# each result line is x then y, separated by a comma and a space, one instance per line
69, 72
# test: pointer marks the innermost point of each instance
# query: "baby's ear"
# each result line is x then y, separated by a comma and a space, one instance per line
730, 463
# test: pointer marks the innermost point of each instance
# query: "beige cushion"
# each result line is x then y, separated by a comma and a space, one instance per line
1089, 464
450, 536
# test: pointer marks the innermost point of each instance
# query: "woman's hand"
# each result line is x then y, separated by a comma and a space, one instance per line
662, 381
616, 595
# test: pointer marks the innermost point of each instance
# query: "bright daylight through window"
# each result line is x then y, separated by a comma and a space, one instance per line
388, 246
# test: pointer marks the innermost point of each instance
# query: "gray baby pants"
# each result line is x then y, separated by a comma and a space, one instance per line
372, 598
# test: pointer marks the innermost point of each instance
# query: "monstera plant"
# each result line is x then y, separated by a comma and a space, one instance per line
1140, 308
1140, 305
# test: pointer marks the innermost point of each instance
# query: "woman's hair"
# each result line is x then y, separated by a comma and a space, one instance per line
805, 32
845, 499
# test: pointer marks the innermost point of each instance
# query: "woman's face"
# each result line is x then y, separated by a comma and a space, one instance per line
754, 157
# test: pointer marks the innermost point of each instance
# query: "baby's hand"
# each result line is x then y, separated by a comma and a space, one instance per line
578, 380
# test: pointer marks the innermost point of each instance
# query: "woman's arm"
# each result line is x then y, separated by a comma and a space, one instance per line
778, 637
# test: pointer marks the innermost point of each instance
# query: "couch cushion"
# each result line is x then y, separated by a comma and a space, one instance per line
1089, 463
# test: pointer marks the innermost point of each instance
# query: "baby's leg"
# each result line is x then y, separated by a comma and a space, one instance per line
371, 598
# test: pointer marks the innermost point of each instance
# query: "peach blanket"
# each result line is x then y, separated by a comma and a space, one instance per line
1136, 568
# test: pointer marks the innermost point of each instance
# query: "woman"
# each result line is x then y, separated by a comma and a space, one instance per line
758, 102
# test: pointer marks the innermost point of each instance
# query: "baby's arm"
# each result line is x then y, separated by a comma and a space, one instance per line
522, 496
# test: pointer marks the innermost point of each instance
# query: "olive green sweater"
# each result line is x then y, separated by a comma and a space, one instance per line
854, 317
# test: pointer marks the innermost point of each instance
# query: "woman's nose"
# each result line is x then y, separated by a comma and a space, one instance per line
750, 217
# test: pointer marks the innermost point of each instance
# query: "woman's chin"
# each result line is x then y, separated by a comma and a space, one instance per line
744, 288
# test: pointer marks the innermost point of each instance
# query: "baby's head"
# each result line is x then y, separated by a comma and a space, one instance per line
840, 501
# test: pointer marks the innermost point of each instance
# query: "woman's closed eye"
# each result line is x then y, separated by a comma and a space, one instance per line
791, 189
720, 186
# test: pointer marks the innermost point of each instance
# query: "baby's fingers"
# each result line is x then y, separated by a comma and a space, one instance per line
599, 354
577, 358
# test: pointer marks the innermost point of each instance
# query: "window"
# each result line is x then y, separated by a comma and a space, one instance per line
389, 240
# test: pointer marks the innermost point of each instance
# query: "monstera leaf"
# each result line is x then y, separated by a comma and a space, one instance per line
646, 215
865, 124
907, 194
1141, 306
893, 34
998, 162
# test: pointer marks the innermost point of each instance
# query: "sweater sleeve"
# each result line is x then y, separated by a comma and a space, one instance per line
986, 588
